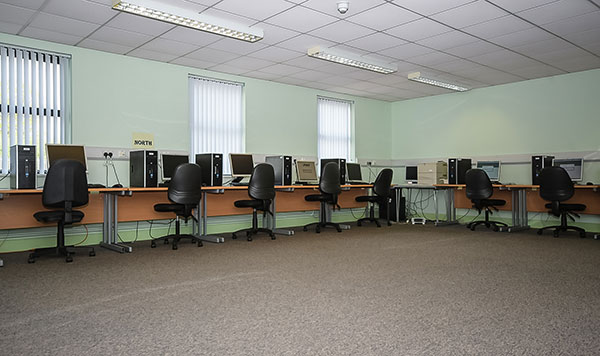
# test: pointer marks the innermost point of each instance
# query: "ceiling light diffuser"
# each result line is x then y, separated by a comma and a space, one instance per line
349, 59
187, 18
417, 77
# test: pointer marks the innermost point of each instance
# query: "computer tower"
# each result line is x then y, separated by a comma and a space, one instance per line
22, 167
283, 169
452, 170
341, 162
397, 209
212, 168
537, 164
462, 166
143, 169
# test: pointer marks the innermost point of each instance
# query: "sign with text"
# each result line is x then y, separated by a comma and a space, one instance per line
142, 140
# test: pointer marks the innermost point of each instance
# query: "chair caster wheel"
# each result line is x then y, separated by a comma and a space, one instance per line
358, 223
273, 237
92, 253
174, 247
555, 234
472, 228
249, 238
233, 236
31, 258
496, 228
200, 244
153, 244
582, 235
341, 230
69, 259
166, 241
304, 229
318, 231
539, 232
389, 224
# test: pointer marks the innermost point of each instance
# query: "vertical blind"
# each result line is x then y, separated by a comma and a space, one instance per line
33, 93
335, 128
216, 118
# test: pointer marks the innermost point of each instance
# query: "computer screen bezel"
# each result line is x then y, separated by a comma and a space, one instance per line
579, 160
314, 166
487, 163
231, 166
416, 180
49, 145
348, 171
162, 163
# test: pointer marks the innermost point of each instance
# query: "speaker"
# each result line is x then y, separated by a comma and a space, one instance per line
283, 169
143, 168
537, 164
451, 170
397, 208
212, 168
462, 166
341, 162
22, 167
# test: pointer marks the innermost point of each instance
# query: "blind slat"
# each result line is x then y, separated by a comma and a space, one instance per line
334, 128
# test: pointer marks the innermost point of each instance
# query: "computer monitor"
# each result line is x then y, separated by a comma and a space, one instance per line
170, 162
74, 152
411, 175
241, 164
306, 171
573, 166
492, 168
353, 171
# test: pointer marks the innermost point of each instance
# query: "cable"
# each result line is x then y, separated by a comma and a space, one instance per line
115, 170
7, 174
86, 236
360, 217
5, 238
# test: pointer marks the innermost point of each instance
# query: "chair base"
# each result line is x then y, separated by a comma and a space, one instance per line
64, 251
372, 217
319, 225
559, 228
495, 225
176, 238
253, 231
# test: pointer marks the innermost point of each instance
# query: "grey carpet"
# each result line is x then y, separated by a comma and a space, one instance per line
403, 290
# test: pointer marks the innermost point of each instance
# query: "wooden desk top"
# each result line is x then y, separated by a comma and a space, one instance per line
514, 186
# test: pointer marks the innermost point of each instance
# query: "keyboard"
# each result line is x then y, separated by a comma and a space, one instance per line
358, 183
96, 185
306, 183
164, 184
239, 184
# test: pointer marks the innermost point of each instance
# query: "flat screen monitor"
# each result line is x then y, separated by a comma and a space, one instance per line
492, 168
306, 171
170, 162
573, 166
353, 172
411, 174
74, 152
241, 164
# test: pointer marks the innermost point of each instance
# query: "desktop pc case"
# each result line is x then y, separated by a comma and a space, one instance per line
397, 208
457, 169
537, 164
432, 173
212, 168
143, 170
283, 169
22, 167
341, 162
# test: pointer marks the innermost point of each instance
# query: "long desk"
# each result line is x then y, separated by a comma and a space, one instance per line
449, 201
523, 198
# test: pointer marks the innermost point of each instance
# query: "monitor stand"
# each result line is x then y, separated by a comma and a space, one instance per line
237, 179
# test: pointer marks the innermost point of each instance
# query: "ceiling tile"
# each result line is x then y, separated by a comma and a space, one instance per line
47, 35
431, 59
139, 24
227, 16
104, 46
329, 7
383, 17
169, 46
120, 37
430, 7
406, 50
14, 14
304, 61
498, 27
223, 68
558, 10
301, 19
341, 31
418, 29
447, 40
274, 34
586, 22
191, 36
376, 42
561, 54
578, 63
212, 55
520, 5
292, 81
152, 55
236, 46
275, 54
473, 49
11, 28
522, 37
249, 63
503, 59
540, 47
537, 71
303, 42
251, 9
204, 2
584, 38
469, 14
282, 69
455, 65
80, 9
262, 75
30, 4
311, 75
63, 25
337, 80
190, 62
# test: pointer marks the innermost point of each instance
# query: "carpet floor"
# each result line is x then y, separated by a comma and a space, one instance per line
402, 290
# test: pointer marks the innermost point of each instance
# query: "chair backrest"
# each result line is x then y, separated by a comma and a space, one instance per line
330, 179
382, 186
65, 182
186, 184
262, 182
555, 184
478, 184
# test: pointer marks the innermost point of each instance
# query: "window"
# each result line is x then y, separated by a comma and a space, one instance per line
34, 90
216, 118
335, 128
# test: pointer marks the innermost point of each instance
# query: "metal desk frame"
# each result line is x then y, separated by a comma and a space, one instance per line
110, 225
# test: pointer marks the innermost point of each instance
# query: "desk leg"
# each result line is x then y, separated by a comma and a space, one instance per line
110, 225
274, 222
450, 209
203, 236
519, 211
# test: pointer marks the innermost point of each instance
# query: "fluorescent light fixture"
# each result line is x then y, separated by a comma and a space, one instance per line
188, 18
350, 59
417, 77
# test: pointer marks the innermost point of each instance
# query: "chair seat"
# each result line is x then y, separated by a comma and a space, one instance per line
368, 198
168, 208
493, 202
252, 203
52, 216
319, 197
568, 207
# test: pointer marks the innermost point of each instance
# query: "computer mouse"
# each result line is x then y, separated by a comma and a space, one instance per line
589, 183
118, 185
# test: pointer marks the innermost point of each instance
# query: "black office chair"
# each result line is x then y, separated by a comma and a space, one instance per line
556, 186
185, 194
261, 190
65, 188
382, 190
479, 189
329, 186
